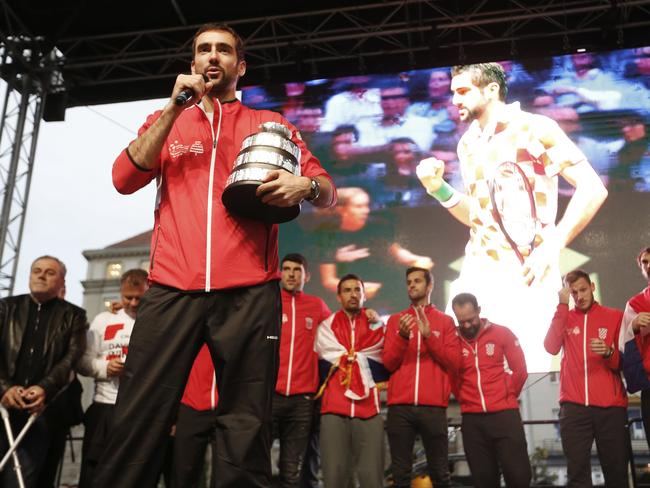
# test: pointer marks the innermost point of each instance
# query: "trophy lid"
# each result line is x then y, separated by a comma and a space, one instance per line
276, 127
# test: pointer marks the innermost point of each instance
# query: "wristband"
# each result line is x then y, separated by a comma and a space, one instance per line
446, 195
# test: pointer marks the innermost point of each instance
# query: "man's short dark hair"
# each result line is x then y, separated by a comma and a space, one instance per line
134, 277
572, 276
346, 129
216, 26
61, 264
402, 140
464, 298
640, 255
483, 74
294, 257
349, 276
427, 274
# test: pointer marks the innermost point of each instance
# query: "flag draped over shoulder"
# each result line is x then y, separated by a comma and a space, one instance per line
635, 348
349, 345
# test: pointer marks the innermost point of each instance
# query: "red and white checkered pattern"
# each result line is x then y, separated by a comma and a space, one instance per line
538, 145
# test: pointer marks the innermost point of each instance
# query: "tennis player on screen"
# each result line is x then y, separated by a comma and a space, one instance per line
509, 163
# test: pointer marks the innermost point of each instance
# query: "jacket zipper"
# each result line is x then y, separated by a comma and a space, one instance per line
36, 325
478, 378
293, 336
208, 239
213, 399
417, 370
584, 353
352, 323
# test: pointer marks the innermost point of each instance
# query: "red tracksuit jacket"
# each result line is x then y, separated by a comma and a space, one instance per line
201, 387
419, 366
483, 384
298, 371
585, 377
635, 305
196, 243
355, 336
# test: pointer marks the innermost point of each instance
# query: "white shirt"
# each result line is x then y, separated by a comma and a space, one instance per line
107, 338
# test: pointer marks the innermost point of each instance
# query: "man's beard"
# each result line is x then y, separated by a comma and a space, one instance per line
353, 309
474, 113
470, 332
417, 296
221, 86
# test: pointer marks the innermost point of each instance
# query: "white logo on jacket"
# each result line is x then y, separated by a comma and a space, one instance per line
489, 349
602, 333
465, 353
285, 318
197, 147
576, 330
309, 323
176, 149
436, 333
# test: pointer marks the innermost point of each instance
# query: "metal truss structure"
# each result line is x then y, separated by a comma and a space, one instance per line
21, 115
61, 54
368, 37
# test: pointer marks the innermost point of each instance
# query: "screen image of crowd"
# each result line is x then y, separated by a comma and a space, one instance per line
370, 132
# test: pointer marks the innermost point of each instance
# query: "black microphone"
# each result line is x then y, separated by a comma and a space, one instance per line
185, 95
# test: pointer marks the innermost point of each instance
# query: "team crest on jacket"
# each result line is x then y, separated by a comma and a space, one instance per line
576, 330
489, 349
602, 333
309, 323
176, 149
436, 333
465, 352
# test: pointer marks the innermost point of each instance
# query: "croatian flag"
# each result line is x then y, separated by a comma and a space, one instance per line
633, 347
352, 348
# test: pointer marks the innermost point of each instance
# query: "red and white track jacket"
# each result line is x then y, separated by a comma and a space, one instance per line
637, 304
298, 371
418, 366
349, 344
485, 383
201, 387
587, 378
196, 243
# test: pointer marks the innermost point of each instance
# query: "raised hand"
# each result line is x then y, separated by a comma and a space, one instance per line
430, 172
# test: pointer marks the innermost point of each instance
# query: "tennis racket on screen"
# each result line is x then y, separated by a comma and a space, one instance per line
513, 207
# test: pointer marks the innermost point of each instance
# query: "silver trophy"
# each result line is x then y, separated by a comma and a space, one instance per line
270, 149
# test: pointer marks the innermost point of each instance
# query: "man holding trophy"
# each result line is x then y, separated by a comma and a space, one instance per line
214, 273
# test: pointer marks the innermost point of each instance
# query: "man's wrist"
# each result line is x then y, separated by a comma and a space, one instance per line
314, 190
609, 353
446, 195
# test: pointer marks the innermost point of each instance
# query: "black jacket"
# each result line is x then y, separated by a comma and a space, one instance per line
65, 342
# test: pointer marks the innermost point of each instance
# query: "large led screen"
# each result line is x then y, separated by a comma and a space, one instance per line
371, 131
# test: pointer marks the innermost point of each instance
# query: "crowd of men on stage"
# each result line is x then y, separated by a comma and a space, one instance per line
331, 416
